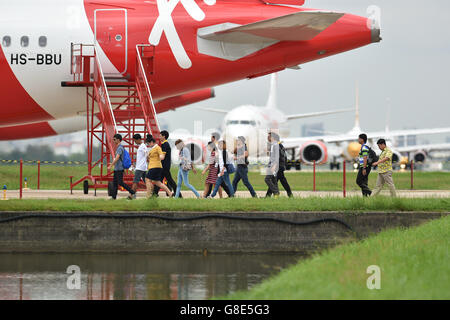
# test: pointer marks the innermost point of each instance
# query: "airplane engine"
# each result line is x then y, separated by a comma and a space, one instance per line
396, 156
352, 150
198, 151
314, 151
420, 156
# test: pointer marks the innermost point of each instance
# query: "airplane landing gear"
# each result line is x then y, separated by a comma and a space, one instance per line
336, 165
85, 187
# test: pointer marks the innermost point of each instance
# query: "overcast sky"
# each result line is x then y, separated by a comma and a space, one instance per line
411, 66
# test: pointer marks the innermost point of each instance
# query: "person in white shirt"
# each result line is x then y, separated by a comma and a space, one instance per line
224, 165
141, 162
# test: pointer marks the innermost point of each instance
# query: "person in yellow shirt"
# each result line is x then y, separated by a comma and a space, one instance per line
384, 169
153, 176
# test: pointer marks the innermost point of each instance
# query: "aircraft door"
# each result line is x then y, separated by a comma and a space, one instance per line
111, 33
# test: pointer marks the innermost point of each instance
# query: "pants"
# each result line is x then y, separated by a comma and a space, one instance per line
171, 184
272, 183
225, 178
363, 181
281, 177
224, 187
118, 181
183, 175
242, 173
383, 178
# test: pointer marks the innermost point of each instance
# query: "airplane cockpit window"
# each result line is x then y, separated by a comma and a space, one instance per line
248, 122
6, 42
24, 41
42, 41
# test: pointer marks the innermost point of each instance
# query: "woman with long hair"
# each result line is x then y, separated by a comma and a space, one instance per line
184, 168
212, 170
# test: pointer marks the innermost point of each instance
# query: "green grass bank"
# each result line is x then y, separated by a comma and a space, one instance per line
350, 204
57, 178
414, 264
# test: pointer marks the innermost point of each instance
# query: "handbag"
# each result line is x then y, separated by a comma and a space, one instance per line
185, 165
230, 168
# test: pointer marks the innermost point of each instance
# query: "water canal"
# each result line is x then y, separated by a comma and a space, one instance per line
134, 276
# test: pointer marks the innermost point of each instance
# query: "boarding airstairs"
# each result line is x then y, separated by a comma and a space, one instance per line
113, 105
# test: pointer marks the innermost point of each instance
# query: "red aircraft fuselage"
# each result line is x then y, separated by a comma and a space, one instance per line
36, 39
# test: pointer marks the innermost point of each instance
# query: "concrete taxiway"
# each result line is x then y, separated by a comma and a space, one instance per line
102, 193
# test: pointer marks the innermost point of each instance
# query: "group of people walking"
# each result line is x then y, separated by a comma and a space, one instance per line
369, 159
153, 163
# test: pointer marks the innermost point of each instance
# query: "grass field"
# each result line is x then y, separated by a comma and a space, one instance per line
351, 204
414, 264
57, 178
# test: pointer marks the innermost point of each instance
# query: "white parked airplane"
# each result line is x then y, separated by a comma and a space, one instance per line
253, 123
332, 148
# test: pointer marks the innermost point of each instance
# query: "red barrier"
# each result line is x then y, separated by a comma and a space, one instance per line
344, 182
314, 176
21, 177
412, 174
39, 175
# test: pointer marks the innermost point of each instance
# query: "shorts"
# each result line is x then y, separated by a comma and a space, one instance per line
154, 174
138, 175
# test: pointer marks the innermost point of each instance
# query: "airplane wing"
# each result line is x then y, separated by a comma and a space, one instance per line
223, 111
299, 26
315, 114
424, 147
408, 132
340, 138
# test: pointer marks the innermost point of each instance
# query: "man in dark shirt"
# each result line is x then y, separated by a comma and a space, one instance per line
280, 174
166, 163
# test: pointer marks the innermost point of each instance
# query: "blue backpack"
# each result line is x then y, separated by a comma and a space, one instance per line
126, 162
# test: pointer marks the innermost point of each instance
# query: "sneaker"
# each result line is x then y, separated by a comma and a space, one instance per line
130, 197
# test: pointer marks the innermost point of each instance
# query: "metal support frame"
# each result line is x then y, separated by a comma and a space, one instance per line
115, 107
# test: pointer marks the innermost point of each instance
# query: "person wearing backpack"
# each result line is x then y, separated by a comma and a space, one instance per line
273, 165
280, 174
184, 168
362, 179
119, 167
